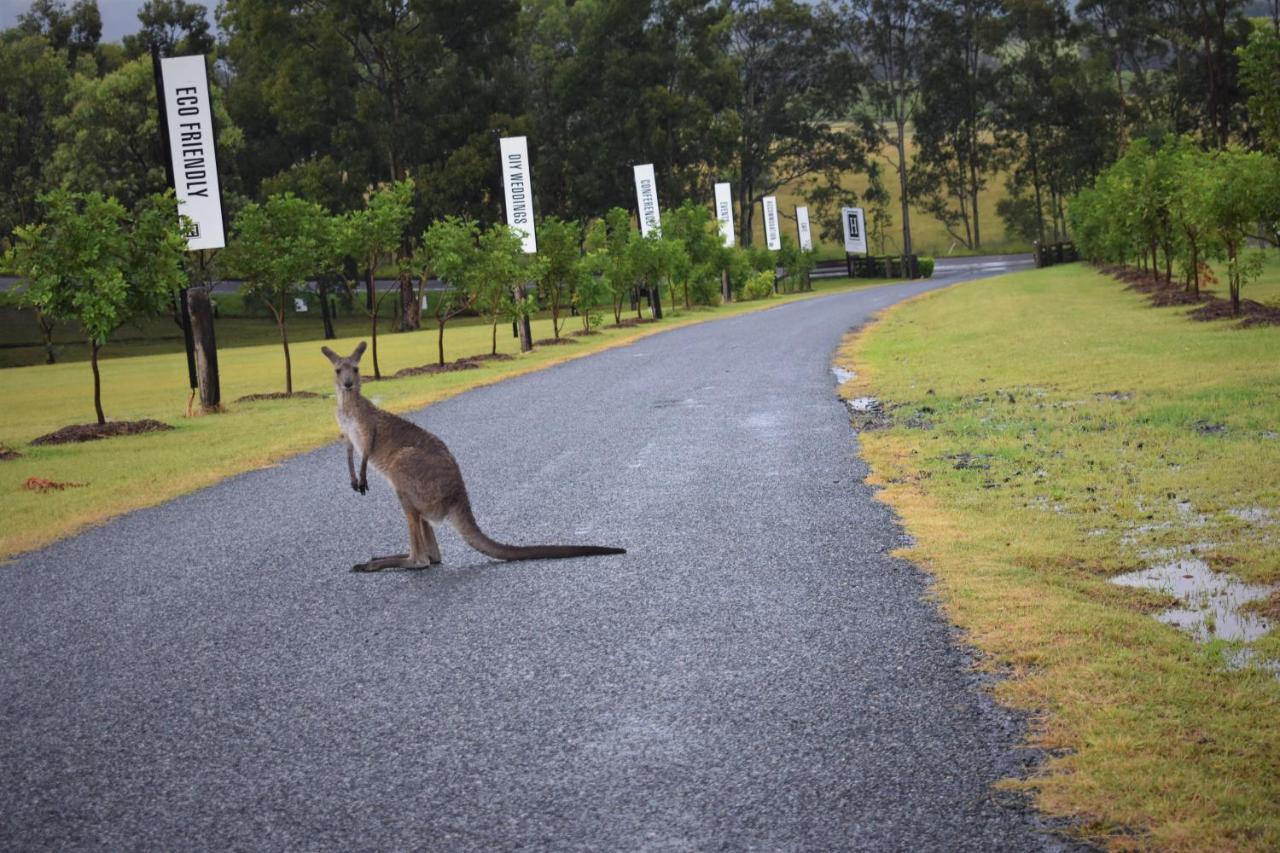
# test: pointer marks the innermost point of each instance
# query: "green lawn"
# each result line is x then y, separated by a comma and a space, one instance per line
126, 473
1052, 431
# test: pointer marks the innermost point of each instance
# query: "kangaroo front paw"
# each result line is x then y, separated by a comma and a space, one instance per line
364, 567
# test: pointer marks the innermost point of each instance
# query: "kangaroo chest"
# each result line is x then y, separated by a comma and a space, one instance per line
351, 428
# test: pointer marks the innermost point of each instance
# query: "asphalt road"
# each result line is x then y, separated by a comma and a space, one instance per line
756, 673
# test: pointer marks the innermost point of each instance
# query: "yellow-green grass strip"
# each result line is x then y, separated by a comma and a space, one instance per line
1066, 432
128, 473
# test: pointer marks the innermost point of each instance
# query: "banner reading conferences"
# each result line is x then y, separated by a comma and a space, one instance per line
195, 166
855, 231
647, 199
724, 213
802, 227
772, 238
517, 180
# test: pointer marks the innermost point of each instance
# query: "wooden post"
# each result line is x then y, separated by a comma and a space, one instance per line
205, 349
526, 333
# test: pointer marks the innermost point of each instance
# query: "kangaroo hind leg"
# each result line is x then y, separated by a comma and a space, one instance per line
432, 547
419, 549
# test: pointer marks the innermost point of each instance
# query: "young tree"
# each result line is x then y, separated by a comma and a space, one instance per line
1244, 190
450, 252
370, 236
501, 267
558, 247
276, 246
693, 225
93, 262
619, 272
591, 283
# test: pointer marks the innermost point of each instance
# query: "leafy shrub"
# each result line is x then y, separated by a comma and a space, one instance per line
926, 267
759, 286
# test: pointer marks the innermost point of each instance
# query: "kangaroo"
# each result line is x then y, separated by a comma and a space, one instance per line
425, 476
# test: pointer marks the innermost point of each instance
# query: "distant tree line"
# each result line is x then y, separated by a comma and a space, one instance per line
329, 100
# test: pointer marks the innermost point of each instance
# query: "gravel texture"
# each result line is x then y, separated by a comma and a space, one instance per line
756, 673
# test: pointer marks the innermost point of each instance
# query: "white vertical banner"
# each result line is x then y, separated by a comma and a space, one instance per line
724, 213
855, 231
802, 226
517, 182
772, 236
189, 115
647, 199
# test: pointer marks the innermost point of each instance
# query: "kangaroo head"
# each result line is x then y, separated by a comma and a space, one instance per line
346, 370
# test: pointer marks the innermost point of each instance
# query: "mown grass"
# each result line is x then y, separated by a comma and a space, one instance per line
1066, 432
122, 474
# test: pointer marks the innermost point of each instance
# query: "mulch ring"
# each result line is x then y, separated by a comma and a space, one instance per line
490, 356
1251, 313
582, 333
551, 342
93, 432
1162, 294
626, 324
279, 395
7, 453
448, 367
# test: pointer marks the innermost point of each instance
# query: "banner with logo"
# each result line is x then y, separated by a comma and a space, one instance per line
802, 226
185, 82
855, 231
517, 182
772, 234
724, 213
647, 199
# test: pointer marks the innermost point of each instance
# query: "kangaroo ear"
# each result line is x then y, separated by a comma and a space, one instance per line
359, 351
330, 354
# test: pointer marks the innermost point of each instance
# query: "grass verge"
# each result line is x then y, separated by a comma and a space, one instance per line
131, 472
1048, 430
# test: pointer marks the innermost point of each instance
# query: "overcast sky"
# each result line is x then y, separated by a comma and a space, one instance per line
119, 17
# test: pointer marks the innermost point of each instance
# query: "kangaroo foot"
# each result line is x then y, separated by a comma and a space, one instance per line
396, 561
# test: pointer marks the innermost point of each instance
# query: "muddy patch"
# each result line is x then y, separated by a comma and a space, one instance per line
970, 461
7, 453
1212, 603
554, 342
868, 413
489, 356
93, 432
842, 375
280, 395
1209, 428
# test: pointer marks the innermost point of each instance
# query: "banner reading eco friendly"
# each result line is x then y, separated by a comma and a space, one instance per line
772, 237
724, 213
802, 226
855, 231
517, 181
647, 199
185, 82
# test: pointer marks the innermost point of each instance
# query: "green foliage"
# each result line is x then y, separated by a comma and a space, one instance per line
1260, 76
91, 261
276, 247
759, 286
109, 139
926, 266
559, 252
501, 267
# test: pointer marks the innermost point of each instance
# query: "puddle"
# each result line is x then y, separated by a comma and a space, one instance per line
1251, 514
1212, 600
864, 405
842, 375
1245, 658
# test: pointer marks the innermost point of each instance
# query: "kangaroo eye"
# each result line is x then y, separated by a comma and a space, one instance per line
337, 371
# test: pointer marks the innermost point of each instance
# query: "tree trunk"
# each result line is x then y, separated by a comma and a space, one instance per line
1233, 280
97, 382
410, 308
1195, 268
525, 333
374, 344
322, 288
493, 350
904, 188
440, 341
46, 336
288, 364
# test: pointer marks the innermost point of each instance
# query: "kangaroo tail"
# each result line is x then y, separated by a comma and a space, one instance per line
465, 523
